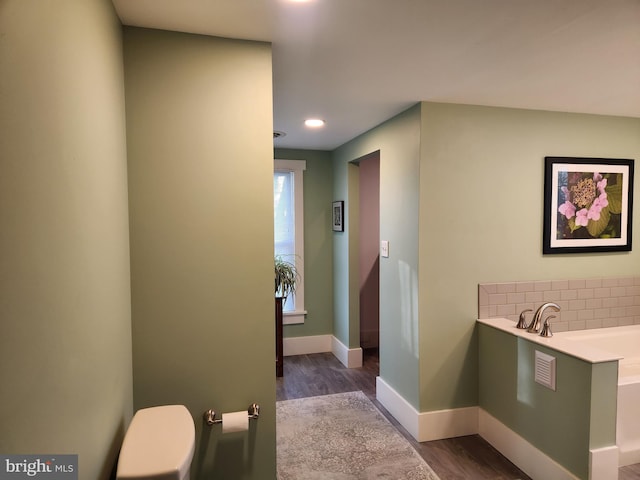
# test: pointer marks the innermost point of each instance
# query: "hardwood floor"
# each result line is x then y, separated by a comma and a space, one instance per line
462, 458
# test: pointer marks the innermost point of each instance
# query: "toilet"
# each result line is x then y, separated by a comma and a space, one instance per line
158, 445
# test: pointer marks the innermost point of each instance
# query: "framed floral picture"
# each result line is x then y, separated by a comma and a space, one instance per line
587, 205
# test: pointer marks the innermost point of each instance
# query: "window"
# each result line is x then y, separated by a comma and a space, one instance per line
288, 208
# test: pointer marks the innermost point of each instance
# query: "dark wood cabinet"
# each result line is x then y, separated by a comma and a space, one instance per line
279, 347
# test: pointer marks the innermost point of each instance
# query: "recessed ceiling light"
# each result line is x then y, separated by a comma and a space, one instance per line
314, 122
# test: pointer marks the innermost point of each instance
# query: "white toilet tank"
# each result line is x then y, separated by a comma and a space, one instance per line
158, 445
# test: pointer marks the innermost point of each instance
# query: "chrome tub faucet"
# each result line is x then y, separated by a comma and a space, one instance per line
534, 326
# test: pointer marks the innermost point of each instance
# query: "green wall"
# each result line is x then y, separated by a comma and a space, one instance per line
398, 141
580, 414
481, 195
461, 204
199, 136
65, 343
318, 244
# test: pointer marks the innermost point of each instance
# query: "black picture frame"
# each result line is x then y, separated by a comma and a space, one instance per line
337, 216
588, 205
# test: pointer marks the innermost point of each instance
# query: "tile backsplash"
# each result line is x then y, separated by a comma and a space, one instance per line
584, 303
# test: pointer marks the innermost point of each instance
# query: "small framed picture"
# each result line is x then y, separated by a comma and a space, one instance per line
587, 205
338, 216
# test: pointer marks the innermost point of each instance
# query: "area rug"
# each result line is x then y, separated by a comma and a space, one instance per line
342, 437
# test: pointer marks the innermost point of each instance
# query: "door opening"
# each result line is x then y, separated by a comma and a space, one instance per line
369, 252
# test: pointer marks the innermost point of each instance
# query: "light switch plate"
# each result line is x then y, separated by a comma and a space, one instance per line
384, 248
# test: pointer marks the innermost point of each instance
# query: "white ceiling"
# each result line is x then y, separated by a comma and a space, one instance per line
356, 63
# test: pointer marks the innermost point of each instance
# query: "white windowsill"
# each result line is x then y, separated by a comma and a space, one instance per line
293, 318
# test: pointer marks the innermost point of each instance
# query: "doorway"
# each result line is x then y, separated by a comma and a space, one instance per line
369, 252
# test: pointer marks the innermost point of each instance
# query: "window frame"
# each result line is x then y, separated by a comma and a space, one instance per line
297, 167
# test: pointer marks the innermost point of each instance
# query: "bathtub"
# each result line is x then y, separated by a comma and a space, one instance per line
623, 342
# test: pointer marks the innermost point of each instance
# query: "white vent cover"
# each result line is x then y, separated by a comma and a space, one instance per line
545, 370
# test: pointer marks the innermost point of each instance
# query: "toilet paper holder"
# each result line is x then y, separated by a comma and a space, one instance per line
210, 415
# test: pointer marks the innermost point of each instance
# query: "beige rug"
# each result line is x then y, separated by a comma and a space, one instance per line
342, 437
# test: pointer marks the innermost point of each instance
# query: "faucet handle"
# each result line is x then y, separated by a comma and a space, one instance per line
546, 327
522, 324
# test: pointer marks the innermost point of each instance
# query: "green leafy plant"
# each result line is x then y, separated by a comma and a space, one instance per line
286, 277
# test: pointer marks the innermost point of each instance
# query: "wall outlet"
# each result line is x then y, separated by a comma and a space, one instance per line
384, 248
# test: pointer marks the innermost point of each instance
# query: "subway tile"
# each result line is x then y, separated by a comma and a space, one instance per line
601, 292
483, 296
593, 283
505, 310
515, 298
534, 297
506, 287
577, 325
577, 304
585, 315
594, 303
585, 303
559, 284
595, 323
585, 293
632, 311
625, 301
625, 281
622, 321
569, 294
552, 295
618, 291
601, 313
497, 299
618, 312
576, 284
522, 287
490, 287
632, 291
560, 327
520, 307
541, 286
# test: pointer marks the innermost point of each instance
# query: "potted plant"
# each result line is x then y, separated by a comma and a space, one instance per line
286, 277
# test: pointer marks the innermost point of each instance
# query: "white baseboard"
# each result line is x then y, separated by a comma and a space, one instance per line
603, 462
349, 357
427, 426
629, 457
455, 422
306, 345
